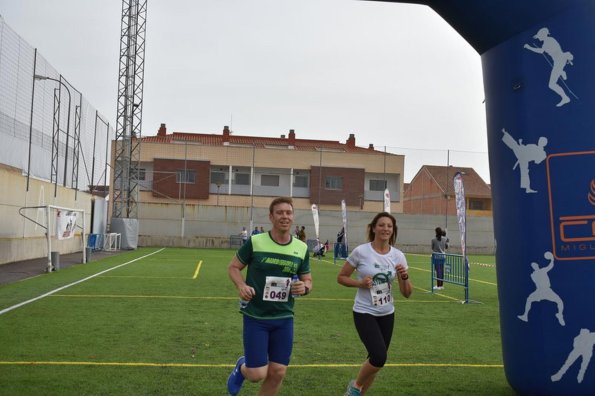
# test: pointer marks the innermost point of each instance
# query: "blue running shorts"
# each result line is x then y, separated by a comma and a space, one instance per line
267, 341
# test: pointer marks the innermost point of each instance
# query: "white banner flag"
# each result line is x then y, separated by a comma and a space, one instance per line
65, 224
316, 220
460, 204
387, 201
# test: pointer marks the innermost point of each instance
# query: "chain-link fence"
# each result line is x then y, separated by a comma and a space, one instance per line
47, 127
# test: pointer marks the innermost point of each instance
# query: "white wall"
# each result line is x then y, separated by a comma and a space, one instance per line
23, 239
161, 225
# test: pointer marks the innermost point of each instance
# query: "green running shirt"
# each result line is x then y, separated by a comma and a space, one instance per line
270, 268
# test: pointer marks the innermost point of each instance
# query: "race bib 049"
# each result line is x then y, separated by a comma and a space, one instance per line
277, 289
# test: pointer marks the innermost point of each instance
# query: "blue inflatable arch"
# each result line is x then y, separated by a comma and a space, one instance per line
538, 61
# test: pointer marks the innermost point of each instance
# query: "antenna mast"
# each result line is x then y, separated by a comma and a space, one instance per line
130, 108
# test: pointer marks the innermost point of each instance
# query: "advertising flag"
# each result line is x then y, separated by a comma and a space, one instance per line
460, 204
316, 220
387, 201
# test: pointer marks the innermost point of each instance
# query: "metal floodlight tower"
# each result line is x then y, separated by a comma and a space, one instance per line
130, 108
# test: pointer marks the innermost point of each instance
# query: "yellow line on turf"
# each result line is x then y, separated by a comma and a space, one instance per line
441, 295
197, 270
138, 296
403, 365
233, 298
225, 365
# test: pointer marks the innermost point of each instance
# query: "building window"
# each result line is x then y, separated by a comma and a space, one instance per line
185, 176
217, 177
242, 179
141, 172
377, 185
300, 181
476, 204
269, 180
334, 183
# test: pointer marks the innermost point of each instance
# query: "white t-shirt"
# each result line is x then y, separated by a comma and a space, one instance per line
377, 301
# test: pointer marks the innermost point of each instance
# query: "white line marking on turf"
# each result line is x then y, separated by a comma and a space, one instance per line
144, 277
74, 283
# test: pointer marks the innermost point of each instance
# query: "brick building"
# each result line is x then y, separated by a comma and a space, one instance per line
431, 190
246, 171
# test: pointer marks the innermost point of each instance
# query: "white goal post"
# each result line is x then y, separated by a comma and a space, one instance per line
47, 210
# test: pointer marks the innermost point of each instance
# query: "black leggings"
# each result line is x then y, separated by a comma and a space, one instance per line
376, 333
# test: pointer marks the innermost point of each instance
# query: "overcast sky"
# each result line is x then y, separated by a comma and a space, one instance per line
395, 75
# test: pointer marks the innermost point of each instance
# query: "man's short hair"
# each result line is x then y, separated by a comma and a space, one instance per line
278, 201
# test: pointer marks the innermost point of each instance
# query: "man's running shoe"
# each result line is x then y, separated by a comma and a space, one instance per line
236, 379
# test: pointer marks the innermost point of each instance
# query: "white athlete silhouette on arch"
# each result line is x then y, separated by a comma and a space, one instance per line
543, 290
582, 347
525, 154
559, 60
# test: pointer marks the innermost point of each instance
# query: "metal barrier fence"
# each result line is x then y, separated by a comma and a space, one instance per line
339, 251
235, 241
450, 268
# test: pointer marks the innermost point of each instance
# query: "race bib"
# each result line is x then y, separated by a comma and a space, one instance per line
381, 294
277, 289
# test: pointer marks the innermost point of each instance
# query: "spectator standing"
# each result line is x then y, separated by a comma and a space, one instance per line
341, 245
438, 255
244, 235
302, 234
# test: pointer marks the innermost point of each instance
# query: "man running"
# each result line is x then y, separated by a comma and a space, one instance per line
267, 299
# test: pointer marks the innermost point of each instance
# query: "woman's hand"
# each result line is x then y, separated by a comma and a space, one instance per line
366, 283
402, 271
405, 284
